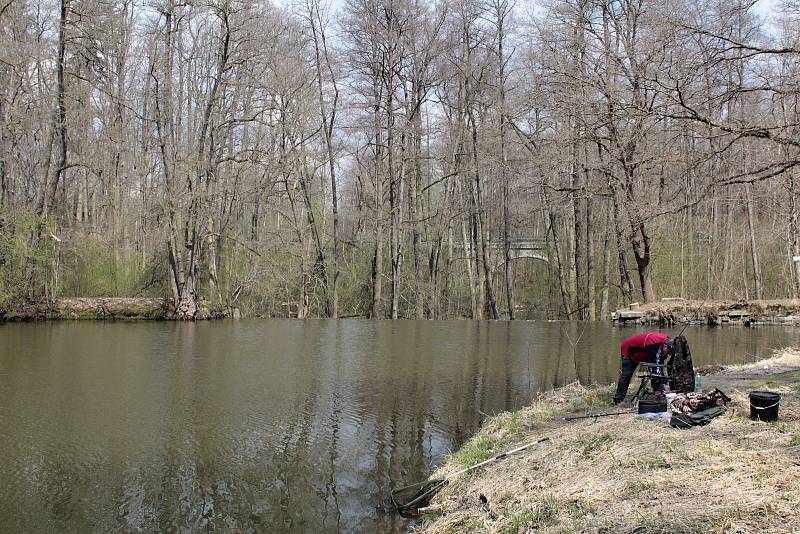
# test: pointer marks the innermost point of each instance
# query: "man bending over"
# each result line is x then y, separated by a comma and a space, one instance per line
650, 347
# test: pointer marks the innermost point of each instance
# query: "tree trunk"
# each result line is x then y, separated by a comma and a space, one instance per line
579, 238
173, 272
502, 9
198, 187
625, 283
414, 208
794, 228
320, 48
469, 249
590, 294
604, 311
297, 218
641, 251
481, 234
556, 246
165, 137
211, 245
757, 278
5, 162
319, 258
60, 123
376, 310
394, 209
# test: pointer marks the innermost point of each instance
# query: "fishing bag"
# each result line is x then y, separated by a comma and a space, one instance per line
682, 380
696, 401
689, 420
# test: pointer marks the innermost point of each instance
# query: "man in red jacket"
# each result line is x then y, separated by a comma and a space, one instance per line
650, 347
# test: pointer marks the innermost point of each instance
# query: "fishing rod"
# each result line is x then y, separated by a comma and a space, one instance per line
689, 322
592, 416
683, 329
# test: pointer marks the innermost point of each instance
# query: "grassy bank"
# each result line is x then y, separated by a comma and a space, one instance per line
625, 475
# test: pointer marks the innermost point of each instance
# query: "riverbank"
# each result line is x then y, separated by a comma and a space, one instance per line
104, 308
667, 312
670, 311
624, 474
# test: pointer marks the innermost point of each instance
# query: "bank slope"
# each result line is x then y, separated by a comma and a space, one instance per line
622, 474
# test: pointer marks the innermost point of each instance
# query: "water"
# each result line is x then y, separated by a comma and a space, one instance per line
270, 425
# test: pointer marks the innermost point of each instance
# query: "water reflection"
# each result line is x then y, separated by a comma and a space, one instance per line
270, 425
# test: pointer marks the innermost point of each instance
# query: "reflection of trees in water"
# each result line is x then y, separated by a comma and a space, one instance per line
307, 434
331, 500
183, 499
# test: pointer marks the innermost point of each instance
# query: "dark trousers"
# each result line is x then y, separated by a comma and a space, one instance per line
626, 369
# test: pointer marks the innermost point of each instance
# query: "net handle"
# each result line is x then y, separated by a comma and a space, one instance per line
495, 458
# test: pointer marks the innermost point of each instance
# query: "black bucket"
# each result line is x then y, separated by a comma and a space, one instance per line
764, 405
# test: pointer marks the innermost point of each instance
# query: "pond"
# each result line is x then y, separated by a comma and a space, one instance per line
272, 425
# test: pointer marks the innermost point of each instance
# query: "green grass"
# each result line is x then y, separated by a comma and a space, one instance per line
638, 486
27, 266
671, 525
475, 451
465, 525
655, 462
548, 511
781, 427
590, 445
673, 521
508, 421
93, 268
526, 518
597, 398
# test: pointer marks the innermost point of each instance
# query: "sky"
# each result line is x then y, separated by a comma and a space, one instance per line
763, 7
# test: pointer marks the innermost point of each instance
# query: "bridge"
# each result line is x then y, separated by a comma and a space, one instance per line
534, 248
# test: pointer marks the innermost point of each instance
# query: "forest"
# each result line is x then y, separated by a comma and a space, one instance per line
394, 159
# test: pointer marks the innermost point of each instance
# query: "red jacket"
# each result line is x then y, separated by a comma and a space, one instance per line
643, 347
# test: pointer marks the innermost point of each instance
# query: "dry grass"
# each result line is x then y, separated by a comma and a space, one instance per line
625, 475
784, 360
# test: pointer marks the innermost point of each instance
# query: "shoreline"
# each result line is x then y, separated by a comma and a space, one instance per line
625, 474
668, 312
104, 309
672, 311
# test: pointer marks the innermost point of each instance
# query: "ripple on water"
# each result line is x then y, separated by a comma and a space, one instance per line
267, 425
